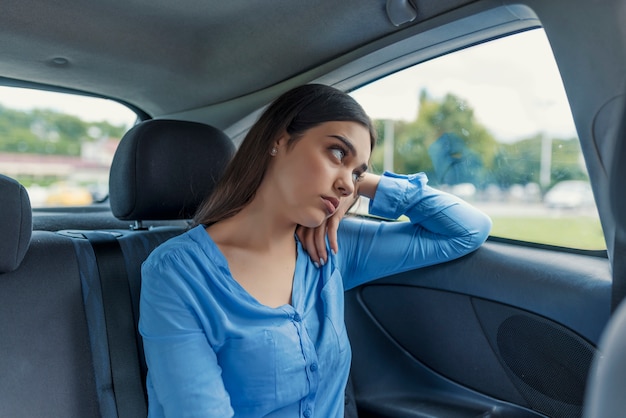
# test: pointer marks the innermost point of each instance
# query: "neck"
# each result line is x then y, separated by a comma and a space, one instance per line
256, 227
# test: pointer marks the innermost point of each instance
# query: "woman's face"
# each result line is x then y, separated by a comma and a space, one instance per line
319, 172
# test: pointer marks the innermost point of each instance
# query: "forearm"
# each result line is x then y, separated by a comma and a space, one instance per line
442, 228
410, 195
368, 185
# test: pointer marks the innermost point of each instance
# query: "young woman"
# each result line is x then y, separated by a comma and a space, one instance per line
243, 314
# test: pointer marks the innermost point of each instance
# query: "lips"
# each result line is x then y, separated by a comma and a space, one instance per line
332, 203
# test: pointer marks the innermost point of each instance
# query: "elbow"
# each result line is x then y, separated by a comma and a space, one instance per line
480, 230
475, 233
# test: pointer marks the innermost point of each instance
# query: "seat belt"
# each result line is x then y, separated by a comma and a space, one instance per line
121, 328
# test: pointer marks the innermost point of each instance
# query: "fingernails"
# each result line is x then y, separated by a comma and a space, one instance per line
322, 262
316, 264
333, 251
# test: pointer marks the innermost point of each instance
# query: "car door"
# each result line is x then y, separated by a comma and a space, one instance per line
511, 329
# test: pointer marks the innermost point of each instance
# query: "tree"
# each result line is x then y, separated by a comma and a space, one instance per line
445, 135
450, 115
49, 132
519, 162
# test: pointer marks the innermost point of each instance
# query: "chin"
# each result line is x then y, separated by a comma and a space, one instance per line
311, 224
313, 221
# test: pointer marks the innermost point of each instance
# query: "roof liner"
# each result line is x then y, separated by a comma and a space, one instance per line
166, 57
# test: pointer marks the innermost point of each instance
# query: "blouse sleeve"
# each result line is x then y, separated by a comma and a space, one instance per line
442, 227
183, 367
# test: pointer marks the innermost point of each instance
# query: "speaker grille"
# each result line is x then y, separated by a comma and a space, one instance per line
550, 361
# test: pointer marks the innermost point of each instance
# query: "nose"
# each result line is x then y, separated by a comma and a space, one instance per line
344, 184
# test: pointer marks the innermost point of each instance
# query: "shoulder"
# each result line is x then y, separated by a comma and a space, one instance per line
180, 252
177, 245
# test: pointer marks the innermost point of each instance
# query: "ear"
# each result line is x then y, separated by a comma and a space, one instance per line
282, 140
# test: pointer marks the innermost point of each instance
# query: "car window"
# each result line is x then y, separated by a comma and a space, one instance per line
491, 124
60, 146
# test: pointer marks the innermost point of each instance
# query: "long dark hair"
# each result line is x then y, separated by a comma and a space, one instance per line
294, 112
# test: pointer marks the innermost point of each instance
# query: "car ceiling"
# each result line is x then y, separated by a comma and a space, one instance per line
166, 57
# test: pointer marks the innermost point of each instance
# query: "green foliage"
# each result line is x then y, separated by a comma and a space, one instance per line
50, 132
487, 160
567, 161
582, 232
451, 115
520, 162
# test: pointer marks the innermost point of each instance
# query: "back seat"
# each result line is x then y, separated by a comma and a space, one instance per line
45, 359
162, 170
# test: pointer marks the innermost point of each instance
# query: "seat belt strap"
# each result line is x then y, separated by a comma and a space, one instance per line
121, 328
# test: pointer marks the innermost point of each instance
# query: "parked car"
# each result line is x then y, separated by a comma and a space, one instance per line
510, 330
68, 195
570, 194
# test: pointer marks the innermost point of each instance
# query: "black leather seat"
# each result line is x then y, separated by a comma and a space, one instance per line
162, 171
58, 355
45, 358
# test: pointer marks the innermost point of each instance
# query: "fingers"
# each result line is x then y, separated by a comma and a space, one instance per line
313, 240
331, 232
303, 235
308, 242
319, 239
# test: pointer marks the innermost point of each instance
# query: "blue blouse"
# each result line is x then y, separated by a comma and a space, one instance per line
214, 351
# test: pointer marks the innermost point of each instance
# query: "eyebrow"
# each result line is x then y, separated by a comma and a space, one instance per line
350, 147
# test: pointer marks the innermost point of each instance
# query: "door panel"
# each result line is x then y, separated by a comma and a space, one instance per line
506, 331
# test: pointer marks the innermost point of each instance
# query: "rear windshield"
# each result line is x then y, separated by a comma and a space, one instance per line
60, 146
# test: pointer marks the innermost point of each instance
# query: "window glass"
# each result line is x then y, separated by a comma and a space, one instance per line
491, 124
60, 146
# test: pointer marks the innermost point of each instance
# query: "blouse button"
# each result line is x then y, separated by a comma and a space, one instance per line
296, 317
313, 367
307, 413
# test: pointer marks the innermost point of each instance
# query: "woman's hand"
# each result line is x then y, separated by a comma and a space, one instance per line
313, 240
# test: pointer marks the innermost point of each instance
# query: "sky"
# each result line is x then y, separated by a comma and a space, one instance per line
512, 84
87, 108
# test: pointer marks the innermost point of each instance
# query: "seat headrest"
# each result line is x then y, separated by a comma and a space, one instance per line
16, 223
164, 169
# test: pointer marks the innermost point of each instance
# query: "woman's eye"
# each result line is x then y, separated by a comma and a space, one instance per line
356, 177
338, 153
